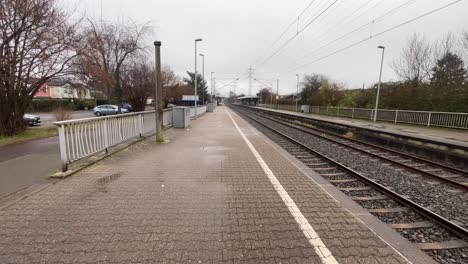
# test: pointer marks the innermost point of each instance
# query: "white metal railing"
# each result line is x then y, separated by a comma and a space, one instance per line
426, 118
83, 137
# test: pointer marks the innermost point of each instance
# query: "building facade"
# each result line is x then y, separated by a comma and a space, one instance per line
63, 89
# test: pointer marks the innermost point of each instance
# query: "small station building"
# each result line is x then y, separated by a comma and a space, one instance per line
251, 100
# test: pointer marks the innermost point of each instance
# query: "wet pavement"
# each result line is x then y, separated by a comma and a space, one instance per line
204, 197
27, 163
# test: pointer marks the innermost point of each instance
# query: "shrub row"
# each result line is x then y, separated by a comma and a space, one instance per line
48, 105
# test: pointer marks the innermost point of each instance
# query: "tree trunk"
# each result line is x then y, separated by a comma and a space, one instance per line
11, 122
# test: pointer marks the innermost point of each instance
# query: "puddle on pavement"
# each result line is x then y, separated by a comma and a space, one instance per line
104, 181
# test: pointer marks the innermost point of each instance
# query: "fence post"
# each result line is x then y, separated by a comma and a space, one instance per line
396, 116
429, 119
352, 113
106, 138
140, 124
63, 148
372, 114
338, 112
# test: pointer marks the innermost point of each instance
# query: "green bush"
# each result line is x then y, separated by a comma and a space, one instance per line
84, 104
49, 105
102, 102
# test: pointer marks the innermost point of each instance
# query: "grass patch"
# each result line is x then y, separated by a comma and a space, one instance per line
29, 134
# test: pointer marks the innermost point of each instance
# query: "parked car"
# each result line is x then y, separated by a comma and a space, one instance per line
102, 110
127, 107
171, 105
31, 119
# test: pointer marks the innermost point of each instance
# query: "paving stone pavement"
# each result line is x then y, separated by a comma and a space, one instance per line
201, 198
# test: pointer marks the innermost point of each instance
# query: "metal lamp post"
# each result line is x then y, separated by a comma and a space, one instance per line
214, 90
211, 85
379, 85
297, 91
277, 93
196, 75
203, 75
158, 90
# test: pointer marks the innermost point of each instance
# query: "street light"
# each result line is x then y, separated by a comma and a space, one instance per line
380, 83
203, 74
297, 91
196, 74
211, 101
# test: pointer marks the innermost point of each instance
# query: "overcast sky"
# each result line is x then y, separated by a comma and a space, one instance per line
240, 33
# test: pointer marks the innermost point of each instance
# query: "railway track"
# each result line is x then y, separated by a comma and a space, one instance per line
453, 176
444, 240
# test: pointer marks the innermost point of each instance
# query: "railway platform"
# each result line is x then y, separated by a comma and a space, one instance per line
448, 135
438, 144
219, 192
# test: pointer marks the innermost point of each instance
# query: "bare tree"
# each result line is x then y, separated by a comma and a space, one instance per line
169, 79
37, 43
110, 48
414, 64
312, 84
464, 45
266, 95
444, 46
138, 81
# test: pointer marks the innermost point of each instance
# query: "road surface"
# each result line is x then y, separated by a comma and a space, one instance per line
27, 163
47, 119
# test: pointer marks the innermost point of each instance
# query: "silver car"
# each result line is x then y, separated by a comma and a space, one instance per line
31, 119
102, 110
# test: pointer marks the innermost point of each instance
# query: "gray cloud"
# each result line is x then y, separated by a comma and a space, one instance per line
237, 33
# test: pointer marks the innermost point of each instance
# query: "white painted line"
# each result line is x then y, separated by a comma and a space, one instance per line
314, 240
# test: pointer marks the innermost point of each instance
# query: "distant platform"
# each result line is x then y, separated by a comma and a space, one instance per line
449, 135
444, 145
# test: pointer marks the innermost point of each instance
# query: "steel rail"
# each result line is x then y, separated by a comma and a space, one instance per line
442, 221
448, 181
431, 163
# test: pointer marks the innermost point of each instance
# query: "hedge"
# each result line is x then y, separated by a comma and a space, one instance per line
48, 105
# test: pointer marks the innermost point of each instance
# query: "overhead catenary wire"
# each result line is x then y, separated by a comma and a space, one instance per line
378, 34
298, 32
347, 35
294, 22
359, 8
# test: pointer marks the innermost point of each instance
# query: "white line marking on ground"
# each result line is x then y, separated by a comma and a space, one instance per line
322, 251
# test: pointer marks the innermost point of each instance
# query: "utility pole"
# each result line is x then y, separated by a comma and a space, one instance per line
211, 85
277, 92
251, 74
196, 76
297, 92
157, 92
214, 89
203, 75
380, 83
